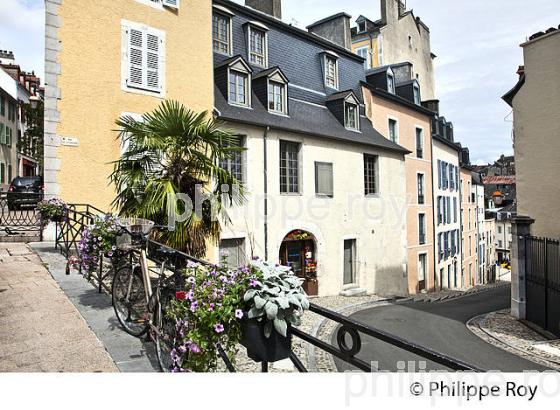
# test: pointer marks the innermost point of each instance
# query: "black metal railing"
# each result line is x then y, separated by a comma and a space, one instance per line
542, 264
349, 332
18, 213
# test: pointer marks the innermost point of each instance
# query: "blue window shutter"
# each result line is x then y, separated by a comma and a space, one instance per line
439, 173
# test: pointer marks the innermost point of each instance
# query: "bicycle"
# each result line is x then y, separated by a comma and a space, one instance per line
139, 307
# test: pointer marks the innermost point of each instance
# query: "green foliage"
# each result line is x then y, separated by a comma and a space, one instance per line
31, 142
98, 239
52, 210
277, 298
171, 151
208, 312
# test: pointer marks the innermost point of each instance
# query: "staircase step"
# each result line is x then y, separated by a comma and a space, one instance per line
353, 292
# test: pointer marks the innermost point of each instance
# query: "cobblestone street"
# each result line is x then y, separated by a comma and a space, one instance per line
40, 330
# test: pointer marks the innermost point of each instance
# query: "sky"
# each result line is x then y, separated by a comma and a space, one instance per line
476, 43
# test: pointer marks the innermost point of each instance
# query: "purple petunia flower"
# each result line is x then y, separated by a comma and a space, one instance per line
194, 348
239, 314
211, 307
194, 306
253, 283
219, 328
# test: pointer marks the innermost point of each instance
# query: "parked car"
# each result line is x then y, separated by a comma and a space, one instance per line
24, 191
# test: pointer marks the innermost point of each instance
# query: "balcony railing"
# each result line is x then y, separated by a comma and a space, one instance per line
349, 332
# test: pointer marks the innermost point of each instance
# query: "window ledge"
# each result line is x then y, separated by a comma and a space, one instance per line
155, 5
353, 130
144, 91
280, 114
222, 54
373, 196
291, 194
247, 107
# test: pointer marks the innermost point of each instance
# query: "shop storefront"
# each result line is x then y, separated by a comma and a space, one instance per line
298, 251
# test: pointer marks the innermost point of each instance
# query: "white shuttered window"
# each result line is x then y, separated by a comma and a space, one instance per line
143, 59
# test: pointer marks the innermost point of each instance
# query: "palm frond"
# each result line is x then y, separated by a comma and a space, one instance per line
171, 151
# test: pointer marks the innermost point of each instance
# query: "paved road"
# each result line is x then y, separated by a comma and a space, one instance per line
441, 327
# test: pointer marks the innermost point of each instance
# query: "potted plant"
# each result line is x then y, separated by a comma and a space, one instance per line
275, 302
98, 239
208, 311
52, 210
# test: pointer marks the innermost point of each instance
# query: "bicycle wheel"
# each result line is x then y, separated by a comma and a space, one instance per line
166, 336
129, 301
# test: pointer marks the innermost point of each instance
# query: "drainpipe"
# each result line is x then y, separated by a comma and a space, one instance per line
434, 211
265, 138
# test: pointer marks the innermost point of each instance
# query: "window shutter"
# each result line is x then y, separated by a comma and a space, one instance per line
439, 173
2, 134
171, 3
153, 61
135, 58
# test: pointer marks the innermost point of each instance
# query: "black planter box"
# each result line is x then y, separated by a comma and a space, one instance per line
263, 349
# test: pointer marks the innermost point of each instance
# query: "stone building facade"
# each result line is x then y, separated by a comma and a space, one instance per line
326, 189
399, 36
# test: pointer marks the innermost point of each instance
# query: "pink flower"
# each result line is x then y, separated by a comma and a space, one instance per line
219, 328
239, 314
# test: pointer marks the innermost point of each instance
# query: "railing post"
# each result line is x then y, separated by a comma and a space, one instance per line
521, 229
546, 283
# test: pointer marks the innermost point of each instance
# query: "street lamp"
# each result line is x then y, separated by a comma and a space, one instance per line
498, 198
34, 101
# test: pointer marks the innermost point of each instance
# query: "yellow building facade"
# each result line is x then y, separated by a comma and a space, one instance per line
106, 58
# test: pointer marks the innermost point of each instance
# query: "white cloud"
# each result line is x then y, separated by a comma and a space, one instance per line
476, 41
22, 28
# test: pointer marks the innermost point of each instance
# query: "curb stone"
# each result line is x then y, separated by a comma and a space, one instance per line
476, 326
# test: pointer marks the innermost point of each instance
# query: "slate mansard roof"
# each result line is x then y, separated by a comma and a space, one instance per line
299, 55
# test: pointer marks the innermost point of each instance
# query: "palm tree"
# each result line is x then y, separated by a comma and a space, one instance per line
171, 151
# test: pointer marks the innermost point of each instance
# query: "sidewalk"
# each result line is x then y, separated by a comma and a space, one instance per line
504, 331
455, 293
40, 330
129, 353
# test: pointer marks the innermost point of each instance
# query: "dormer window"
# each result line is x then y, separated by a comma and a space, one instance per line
361, 26
238, 88
271, 88
351, 116
331, 71
390, 83
258, 53
345, 106
416, 90
221, 33
277, 97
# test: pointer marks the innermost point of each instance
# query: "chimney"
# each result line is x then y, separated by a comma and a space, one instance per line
432, 105
335, 28
391, 10
521, 71
271, 7
402, 7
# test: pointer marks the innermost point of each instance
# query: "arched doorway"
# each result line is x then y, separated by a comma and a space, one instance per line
298, 250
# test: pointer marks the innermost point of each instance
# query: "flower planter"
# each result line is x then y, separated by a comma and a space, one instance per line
311, 287
263, 349
57, 218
